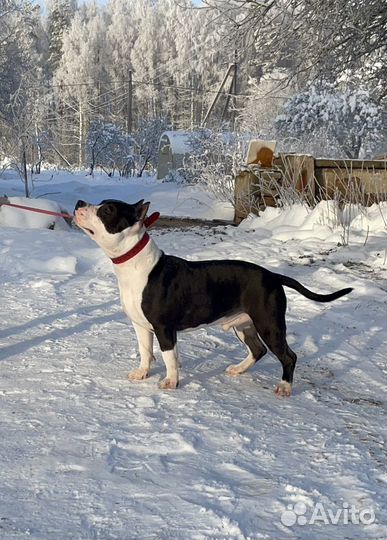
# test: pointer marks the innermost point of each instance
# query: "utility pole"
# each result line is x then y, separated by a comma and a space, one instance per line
214, 101
130, 103
228, 98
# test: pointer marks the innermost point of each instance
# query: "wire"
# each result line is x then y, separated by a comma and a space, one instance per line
196, 91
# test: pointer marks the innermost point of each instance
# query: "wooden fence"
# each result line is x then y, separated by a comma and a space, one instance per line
293, 177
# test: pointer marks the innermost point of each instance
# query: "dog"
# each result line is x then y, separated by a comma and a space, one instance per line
164, 295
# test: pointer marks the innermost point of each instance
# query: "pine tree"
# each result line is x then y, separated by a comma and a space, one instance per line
20, 74
60, 14
82, 71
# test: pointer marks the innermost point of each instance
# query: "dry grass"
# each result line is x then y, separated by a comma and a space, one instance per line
346, 193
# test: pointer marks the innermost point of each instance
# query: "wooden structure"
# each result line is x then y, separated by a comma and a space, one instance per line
295, 177
351, 180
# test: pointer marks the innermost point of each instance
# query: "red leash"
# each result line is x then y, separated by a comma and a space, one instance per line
38, 210
148, 222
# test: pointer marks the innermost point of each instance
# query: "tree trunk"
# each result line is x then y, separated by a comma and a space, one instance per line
40, 155
24, 168
80, 135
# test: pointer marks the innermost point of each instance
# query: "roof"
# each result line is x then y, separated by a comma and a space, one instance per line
180, 141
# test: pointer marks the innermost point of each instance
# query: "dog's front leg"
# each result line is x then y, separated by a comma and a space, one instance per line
145, 345
167, 340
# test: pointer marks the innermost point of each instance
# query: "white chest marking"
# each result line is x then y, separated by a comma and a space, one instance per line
132, 278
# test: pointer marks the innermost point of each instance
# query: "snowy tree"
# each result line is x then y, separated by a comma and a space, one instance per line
60, 14
85, 54
21, 75
263, 104
315, 39
18, 48
215, 159
144, 57
202, 57
108, 147
81, 76
351, 118
174, 52
121, 34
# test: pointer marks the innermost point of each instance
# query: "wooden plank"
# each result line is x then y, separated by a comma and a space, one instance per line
242, 193
364, 186
298, 170
349, 164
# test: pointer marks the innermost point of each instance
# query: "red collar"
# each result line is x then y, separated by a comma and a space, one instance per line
148, 222
132, 252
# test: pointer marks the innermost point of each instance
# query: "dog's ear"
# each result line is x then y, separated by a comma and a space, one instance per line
141, 209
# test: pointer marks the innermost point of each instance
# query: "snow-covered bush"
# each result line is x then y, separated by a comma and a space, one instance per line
215, 160
348, 122
108, 147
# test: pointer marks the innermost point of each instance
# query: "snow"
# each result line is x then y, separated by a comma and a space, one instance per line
17, 217
85, 453
169, 198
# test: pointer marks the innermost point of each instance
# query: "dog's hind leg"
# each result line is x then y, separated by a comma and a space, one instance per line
271, 325
145, 345
275, 339
254, 346
284, 387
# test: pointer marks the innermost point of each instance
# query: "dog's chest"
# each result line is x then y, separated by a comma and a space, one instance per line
132, 279
131, 290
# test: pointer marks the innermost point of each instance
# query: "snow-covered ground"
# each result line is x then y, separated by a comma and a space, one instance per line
67, 187
85, 453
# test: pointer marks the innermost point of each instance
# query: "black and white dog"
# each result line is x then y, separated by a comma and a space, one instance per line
163, 294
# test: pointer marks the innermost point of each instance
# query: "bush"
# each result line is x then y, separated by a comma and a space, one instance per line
348, 122
215, 160
109, 147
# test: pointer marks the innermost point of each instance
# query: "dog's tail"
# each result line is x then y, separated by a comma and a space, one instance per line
294, 284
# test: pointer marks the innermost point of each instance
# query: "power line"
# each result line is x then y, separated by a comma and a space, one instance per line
196, 91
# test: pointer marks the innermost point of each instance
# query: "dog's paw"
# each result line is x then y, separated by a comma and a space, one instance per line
234, 370
138, 374
283, 389
168, 384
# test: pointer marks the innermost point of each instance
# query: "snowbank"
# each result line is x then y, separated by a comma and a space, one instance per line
53, 265
24, 219
324, 221
371, 220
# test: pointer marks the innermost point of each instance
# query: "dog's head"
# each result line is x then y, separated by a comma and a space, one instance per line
112, 224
